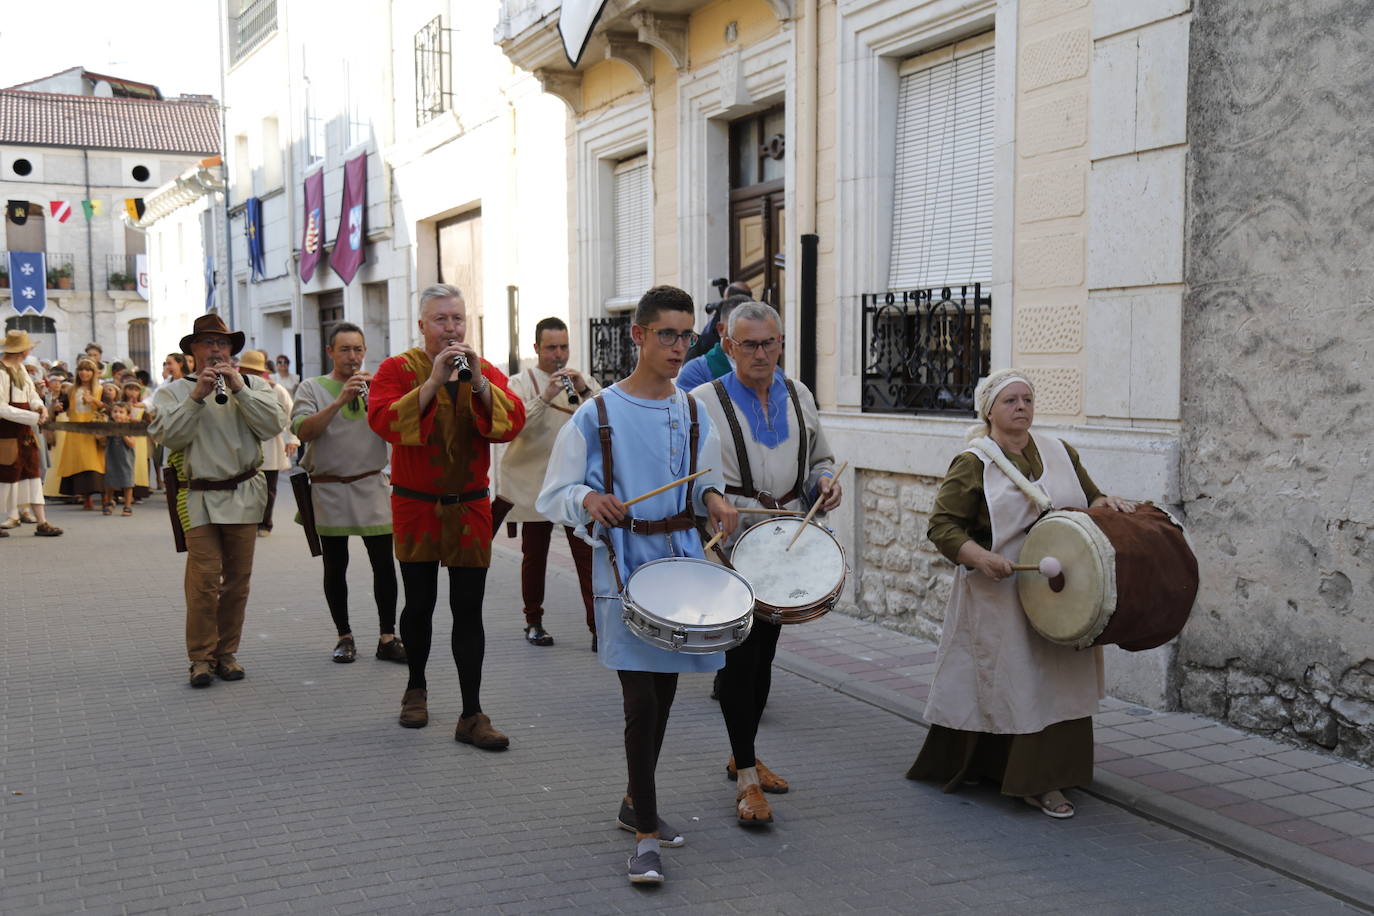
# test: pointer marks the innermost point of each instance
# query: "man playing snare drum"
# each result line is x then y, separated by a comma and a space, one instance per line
634, 437
780, 460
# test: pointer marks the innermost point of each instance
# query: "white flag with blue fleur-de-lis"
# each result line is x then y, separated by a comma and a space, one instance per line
28, 281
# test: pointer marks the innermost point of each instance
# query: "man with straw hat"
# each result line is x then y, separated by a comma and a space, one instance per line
21, 409
213, 425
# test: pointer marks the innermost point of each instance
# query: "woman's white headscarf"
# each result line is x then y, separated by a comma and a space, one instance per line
985, 395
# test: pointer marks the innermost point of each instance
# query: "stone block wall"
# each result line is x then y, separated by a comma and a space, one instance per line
1276, 478
903, 582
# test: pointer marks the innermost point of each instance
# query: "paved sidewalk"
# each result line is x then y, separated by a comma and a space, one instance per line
1309, 815
294, 791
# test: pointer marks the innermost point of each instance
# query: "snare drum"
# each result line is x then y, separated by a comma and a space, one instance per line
1129, 578
790, 586
688, 605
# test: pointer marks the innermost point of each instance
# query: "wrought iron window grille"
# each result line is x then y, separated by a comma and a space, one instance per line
925, 349
255, 22
613, 354
433, 71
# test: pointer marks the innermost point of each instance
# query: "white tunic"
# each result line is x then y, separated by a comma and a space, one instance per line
993, 672
347, 447
527, 458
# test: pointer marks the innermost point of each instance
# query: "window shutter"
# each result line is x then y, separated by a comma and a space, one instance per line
633, 229
942, 199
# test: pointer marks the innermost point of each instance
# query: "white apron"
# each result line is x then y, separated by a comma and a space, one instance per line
993, 673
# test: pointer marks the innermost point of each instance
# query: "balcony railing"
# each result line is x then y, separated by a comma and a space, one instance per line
121, 271
925, 349
61, 269
613, 351
255, 22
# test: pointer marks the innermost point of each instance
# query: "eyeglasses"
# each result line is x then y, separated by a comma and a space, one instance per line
669, 338
750, 347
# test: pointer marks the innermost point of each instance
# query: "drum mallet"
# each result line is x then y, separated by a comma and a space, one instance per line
714, 540
814, 506
1049, 567
667, 486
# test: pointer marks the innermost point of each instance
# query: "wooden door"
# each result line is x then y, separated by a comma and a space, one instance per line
460, 263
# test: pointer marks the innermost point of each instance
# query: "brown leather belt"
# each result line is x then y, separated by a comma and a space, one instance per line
443, 499
231, 483
680, 522
765, 499
334, 478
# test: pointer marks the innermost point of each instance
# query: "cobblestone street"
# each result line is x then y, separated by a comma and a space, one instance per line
125, 791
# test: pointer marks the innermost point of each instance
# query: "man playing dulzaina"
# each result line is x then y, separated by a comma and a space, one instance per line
441, 426
348, 489
215, 449
652, 428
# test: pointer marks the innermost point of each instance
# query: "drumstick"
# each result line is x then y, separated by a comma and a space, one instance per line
814, 506
667, 486
714, 541
1049, 567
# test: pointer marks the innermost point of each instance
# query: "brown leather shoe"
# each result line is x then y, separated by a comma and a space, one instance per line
228, 668
477, 731
202, 674
768, 780
415, 708
752, 808
47, 530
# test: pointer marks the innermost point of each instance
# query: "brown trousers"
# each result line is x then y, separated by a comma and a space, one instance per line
219, 563
534, 550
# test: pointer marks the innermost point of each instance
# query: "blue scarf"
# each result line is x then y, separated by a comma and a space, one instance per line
769, 428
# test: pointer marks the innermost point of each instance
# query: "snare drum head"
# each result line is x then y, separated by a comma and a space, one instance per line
1089, 594
783, 578
689, 592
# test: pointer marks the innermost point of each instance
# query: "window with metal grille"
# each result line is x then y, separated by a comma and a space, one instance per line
632, 228
433, 72
942, 195
251, 22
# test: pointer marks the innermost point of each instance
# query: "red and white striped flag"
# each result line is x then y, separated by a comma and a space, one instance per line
61, 210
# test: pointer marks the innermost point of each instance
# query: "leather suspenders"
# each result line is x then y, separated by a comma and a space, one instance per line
681, 521
746, 486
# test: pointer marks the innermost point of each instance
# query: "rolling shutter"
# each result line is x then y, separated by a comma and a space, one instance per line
942, 196
632, 214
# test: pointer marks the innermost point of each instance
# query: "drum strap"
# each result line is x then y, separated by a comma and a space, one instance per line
746, 487
681, 521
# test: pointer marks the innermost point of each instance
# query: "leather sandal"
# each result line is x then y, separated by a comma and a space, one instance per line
1051, 804
751, 808
768, 780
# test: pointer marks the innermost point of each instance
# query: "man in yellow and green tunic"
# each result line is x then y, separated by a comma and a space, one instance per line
441, 405
216, 449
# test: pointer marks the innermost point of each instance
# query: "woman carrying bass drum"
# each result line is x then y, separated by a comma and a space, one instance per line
1006, 705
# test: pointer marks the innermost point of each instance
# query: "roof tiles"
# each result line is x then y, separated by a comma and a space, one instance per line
89, 122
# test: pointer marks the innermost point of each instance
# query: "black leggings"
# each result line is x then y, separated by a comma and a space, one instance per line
466, 587
744, 684
335, 550
648, 699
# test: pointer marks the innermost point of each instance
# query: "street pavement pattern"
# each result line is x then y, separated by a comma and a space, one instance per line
295, 791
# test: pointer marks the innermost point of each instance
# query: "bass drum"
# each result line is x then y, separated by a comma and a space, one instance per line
1129, 578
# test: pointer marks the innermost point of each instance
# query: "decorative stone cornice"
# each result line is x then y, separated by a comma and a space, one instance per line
566, 84
667, 33
627, 48
782, 9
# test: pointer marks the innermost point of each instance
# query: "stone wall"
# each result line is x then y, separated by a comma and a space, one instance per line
1276, 428
903, 582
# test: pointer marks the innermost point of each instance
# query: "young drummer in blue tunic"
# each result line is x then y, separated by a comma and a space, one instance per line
652, 429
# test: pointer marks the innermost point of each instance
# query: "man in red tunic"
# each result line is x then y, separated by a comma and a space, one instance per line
441, 405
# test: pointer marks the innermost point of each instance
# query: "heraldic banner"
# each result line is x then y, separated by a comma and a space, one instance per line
28, 281
312, 242
347, 255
